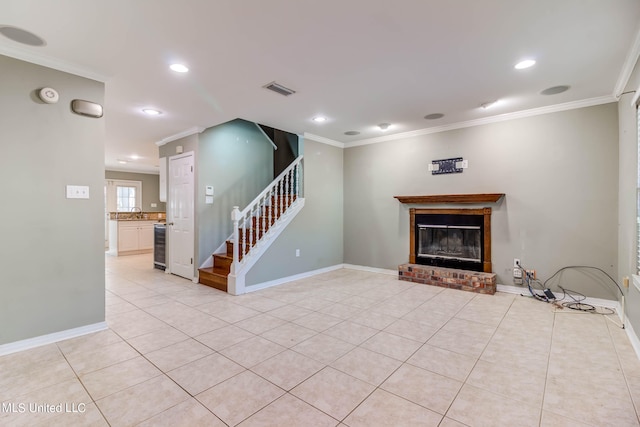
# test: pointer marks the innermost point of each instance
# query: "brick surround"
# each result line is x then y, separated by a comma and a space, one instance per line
472, 281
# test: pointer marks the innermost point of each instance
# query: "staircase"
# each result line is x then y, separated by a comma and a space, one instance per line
255, 228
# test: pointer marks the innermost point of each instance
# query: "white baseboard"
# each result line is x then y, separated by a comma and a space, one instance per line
633, 337
592, 301
371, 269
27, 344
288, 279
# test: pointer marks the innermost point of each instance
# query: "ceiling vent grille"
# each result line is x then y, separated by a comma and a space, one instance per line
278, 88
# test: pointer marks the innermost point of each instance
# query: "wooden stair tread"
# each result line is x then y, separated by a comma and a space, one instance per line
213, 277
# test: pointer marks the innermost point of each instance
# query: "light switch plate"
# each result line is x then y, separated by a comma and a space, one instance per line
77, 191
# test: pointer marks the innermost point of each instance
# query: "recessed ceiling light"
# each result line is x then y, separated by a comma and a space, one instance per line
179, 68
319, 119
134, 157
122, 162
525, 64
489, 104
352, 132
151, 112
21, 36
384, 126
434, 116
555, 90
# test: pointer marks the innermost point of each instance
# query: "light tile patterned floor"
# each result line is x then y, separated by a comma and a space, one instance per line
344, 348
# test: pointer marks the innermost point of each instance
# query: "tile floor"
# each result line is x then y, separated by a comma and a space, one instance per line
344, 348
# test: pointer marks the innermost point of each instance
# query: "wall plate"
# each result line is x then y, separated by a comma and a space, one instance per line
77, 191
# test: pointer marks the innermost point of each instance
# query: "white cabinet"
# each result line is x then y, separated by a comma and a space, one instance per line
130, 237
145, 235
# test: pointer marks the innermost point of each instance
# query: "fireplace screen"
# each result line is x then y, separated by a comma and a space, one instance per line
450, 242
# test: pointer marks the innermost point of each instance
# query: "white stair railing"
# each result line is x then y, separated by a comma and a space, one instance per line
255, 222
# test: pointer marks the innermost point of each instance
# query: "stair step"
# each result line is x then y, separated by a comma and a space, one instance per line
256, 233
264, 218
223, 262
210, 276
230, 249
283, 201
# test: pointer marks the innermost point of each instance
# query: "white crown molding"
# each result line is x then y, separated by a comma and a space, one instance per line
487, 120
627, 68
56, 64
142, 171
183, 134
324, 140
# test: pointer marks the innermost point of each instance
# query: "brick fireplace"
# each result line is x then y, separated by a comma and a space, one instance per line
450, 247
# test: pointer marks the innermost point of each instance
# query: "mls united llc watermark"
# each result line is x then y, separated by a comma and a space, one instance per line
35, 408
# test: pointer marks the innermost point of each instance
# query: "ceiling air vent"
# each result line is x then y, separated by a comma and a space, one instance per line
277, 88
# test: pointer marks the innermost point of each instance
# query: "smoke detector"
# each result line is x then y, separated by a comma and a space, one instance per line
48, 95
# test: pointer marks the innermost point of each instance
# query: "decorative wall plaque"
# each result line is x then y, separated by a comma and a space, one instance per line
444, 166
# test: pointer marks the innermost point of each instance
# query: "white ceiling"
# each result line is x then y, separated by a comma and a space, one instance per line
357, 62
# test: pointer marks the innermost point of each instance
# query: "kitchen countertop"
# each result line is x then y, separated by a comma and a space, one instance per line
138, 219
138, 216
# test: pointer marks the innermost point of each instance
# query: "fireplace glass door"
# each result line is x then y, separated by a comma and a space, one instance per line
459, 242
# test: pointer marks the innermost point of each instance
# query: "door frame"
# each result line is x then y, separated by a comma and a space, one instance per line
169, 215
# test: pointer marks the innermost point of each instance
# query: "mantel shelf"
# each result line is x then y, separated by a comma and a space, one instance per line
451, 198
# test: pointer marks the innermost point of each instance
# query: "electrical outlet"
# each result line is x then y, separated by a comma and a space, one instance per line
531, 274
517, 273
516, 262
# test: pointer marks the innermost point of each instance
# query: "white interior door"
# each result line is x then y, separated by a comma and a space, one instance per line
181, 215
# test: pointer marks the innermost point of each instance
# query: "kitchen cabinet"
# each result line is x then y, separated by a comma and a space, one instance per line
130, 237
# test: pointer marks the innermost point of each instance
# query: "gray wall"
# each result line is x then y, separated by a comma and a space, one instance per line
52, 252
150, 188
628, 184
318, 229
237, 160
559, 173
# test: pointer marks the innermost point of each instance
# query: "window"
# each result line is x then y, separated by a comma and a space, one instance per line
123, 195
126, 198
